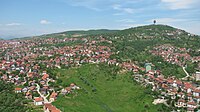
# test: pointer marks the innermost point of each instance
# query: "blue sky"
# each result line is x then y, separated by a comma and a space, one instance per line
19, 18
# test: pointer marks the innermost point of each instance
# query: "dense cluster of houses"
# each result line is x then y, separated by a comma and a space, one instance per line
172, 54
22, 60
185, 94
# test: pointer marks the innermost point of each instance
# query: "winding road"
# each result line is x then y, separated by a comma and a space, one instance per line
41, 95
185, 78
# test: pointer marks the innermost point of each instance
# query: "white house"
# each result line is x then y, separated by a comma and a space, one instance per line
191, 104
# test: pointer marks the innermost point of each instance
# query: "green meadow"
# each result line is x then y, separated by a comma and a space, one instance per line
103, 89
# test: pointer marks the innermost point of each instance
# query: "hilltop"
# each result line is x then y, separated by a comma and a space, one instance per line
155, 31
156, 35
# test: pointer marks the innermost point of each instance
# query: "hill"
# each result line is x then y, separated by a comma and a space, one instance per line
79, 33
75, 33
89, 32
135, 43
103, 91
155, 31
164, 32
10, 101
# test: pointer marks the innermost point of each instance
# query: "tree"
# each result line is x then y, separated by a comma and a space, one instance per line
10, 101
154, 22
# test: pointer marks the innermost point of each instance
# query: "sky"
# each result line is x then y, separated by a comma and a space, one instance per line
20, 18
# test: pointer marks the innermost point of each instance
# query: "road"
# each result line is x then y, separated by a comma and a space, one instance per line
41, 95
185, 78
186, 72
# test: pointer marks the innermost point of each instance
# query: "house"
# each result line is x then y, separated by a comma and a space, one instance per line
189, 96
196, 92
24, 90
38, 101
43, 90
67, 90
191, 104
190, 109
181, 103
181, 95
53, 96
45, 76
18, 90
147, 67
188, 87
28, 95
73, 86
48, 107
197, 99
197, 75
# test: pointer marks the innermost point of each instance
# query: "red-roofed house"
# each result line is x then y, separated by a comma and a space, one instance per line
38, 101
181, 103
191, 104
53, 96
48, 107
18, 90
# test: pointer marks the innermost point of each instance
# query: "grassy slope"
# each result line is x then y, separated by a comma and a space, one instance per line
117, 95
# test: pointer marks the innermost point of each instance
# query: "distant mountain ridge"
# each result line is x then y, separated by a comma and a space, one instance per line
78, 33
89, 32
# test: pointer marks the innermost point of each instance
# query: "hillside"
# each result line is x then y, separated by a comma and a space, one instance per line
163, 32
10, 101
79, 33
135, 44
89, 32
103, 91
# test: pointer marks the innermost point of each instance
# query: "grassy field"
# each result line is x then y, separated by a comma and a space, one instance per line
103, 91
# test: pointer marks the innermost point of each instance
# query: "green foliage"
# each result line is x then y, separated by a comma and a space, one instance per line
9, 101
134, 44
190, 67
101, 92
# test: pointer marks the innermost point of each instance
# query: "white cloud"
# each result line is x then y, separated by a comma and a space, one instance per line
123, 9
13, 24
96, 5
118, 14
126, 20
132, 25
180, 4
45, 22
128, 10
192, 28
116, 6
